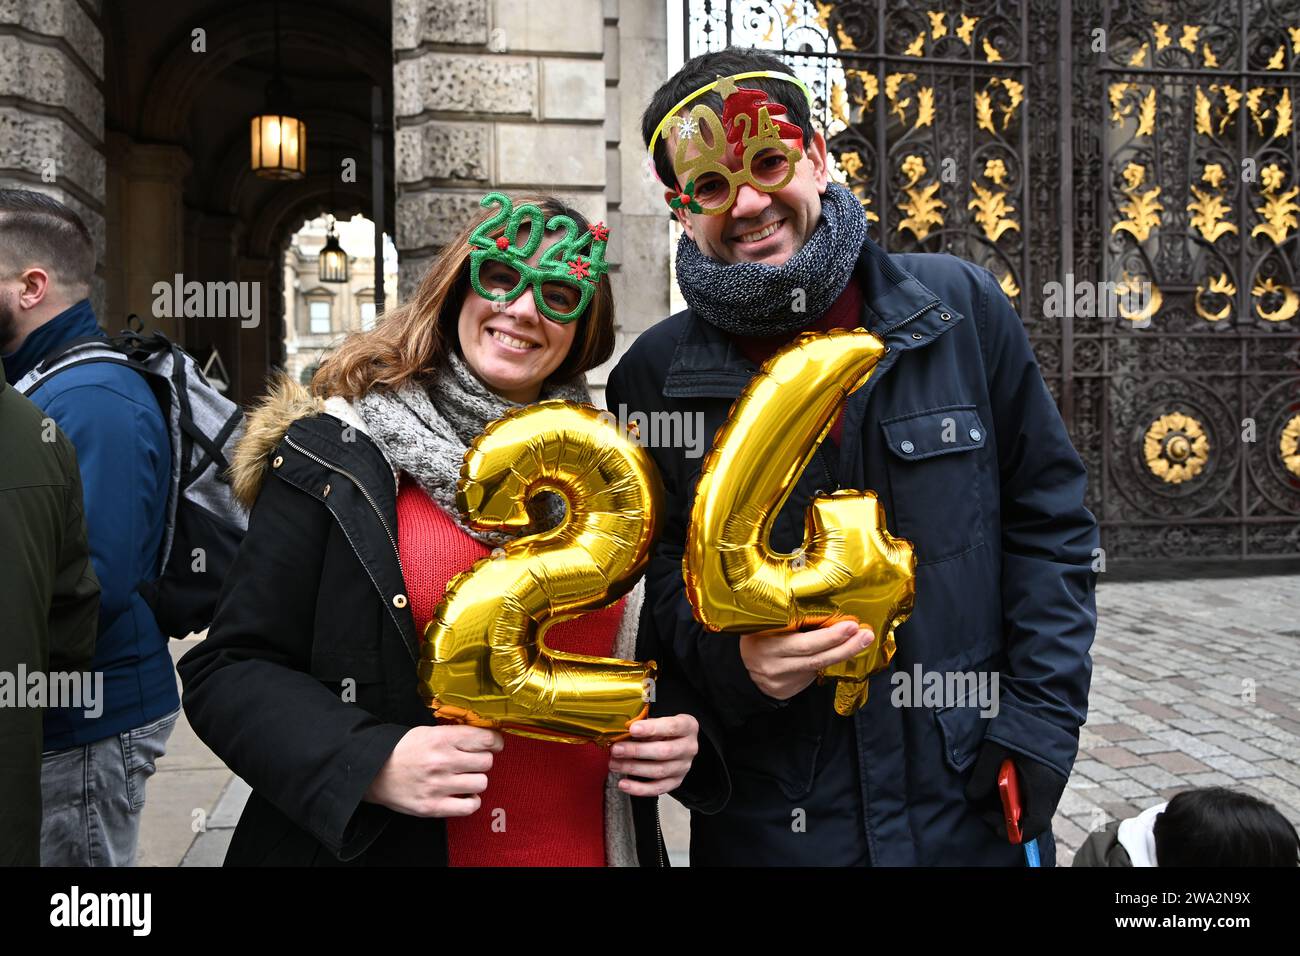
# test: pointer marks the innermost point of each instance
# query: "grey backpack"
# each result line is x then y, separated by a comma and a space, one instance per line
205, 523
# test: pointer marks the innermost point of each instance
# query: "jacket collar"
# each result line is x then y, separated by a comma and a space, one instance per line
707, 363
74, 322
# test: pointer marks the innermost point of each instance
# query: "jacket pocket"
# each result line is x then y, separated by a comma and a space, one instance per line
961, 729
141, 750
784, 745
936, 480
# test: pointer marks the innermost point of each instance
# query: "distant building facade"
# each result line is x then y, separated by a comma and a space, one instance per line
318, 314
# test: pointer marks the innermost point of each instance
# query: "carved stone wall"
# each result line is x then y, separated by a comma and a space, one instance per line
505, 94
52, 120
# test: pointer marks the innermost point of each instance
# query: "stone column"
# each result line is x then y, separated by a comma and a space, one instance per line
211, 254
52, 117
255, 358
636, 63
148, 222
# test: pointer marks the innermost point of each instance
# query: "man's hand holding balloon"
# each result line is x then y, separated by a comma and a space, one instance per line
782, 663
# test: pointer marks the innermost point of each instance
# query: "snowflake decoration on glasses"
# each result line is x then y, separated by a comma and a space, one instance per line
688, 127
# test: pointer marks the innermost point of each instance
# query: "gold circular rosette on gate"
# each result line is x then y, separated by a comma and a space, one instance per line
485, 661
850, 566
1176, 448
1289, 445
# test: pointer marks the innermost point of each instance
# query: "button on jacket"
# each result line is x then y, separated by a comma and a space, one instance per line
957, 433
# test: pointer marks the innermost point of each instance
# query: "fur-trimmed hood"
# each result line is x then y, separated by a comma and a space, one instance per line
265, 426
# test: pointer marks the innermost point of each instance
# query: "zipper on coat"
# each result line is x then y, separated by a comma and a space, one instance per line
831, 483
659, 838
914, 316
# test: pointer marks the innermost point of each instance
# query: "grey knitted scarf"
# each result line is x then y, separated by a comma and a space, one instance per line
425, 433
756, 299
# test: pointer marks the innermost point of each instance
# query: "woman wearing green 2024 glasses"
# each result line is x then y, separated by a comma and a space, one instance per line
306, 685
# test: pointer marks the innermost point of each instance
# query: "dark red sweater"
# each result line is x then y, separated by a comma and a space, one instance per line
545, 802
845, 313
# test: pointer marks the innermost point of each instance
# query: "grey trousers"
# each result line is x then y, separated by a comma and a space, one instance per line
92, 795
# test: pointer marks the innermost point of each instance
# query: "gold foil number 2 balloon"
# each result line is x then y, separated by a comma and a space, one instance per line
485, 661
849, 566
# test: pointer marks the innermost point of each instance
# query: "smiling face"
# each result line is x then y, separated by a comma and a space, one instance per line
767, 227
511, 346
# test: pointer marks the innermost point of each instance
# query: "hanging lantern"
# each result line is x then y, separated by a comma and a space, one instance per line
278, 137
332, 266
279, 146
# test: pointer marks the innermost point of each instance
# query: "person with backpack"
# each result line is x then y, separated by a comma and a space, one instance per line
94, 769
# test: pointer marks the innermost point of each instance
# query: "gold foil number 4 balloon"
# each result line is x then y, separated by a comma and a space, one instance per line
485, 660
849, 565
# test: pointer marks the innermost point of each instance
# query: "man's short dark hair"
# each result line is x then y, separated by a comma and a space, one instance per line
1215, 826
38, 230
706, 68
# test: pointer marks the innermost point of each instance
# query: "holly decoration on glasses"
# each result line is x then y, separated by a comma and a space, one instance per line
686, 199
576, 259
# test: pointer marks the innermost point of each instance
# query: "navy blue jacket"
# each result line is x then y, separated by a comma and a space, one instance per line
124, 454
1005, 550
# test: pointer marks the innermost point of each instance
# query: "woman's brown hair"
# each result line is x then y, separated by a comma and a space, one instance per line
408, 343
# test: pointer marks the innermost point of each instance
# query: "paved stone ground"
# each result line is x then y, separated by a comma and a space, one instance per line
1195, 683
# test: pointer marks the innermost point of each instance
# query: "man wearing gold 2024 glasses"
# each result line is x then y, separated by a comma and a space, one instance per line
958, 435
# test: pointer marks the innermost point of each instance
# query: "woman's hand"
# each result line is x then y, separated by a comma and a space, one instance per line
436, 771
661, 752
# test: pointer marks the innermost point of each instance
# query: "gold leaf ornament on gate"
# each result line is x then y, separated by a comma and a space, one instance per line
1210, 206
485, 661
1279, 208
1143, 207
1271, 290
1220, 286
849, 566
921, 205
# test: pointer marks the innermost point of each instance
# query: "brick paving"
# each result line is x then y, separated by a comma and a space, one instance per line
1195, 683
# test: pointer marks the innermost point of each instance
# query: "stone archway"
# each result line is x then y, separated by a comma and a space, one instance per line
137, 117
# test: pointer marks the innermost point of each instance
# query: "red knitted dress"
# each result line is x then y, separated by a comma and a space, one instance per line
545, 802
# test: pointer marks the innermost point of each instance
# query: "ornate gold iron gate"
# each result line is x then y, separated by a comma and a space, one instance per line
1128, 170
